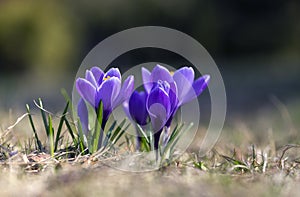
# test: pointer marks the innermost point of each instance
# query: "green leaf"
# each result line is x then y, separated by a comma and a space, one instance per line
44, 116
151, 139
109, 133
71, 131
200, 165
128, 141
51, 136
80, 136
180, 133
60, 126
146, 142
174, 138
145, 145
39, 144
120, 134
232, 160
98, 133
141, 131
118, 129
67, 98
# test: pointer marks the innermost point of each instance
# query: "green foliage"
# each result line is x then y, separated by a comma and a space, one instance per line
167, 146
47, 119
38, 142
100, 138
51, 136
98, 132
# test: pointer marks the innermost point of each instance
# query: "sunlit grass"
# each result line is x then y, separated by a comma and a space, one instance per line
243, 162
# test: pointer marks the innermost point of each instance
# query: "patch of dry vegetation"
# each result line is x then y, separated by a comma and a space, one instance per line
235, 167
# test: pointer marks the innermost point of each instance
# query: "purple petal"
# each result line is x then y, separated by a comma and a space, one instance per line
161, 73
113, 72
201, 84
108, 91
137, 107
126, 110
173, 97
187, 72
174, 103
198, 86
125, 91
82, 112
146, 74
158, 107
98, 74
184, 78
158, 116
90, 77
86, 90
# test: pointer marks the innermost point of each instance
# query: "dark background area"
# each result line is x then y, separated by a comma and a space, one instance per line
256, 45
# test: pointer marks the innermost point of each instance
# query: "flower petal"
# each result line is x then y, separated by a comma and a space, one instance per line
137, 107
146, 74
161, 73
158, 107
125, 91
173, 95
198, 86
98, 74
108, 91
86, 90
90, 77
126, 110
184, 78
158, 116
113, 72
82, 112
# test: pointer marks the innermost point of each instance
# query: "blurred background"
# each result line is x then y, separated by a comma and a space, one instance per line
255, 43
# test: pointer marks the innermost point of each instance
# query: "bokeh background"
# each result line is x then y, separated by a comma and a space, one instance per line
255, 43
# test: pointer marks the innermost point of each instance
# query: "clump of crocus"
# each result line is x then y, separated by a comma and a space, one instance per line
164, 94
106, 88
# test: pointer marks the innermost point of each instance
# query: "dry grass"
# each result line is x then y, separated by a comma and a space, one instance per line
39, 175
243, 163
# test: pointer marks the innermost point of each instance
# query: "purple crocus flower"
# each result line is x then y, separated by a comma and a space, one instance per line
106, 87
161, 104
167, 92
185, 87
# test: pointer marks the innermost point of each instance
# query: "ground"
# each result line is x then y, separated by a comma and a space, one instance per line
244, 162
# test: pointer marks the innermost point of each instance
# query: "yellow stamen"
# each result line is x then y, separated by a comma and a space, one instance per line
106, 78
171, 73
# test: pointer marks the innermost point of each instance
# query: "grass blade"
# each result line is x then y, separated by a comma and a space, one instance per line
71, 131
33, 129
64, 92
175, 130
51, 136
176, 134
120, 134
80, 137
67, 98
109, 133
44, 116
60, 126
146, 143
118, 129
98, 133
141, 131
